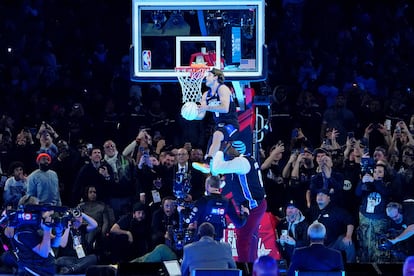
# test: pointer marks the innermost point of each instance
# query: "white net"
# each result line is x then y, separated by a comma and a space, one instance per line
191, 79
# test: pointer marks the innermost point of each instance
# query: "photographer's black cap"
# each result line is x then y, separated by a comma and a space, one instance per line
323, 191
138, 207
292, 203
320, 150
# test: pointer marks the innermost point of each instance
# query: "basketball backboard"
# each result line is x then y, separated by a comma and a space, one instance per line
168, 34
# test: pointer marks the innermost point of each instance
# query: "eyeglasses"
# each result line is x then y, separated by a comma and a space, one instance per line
109, 146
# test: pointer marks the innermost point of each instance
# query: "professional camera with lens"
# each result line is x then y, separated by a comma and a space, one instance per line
397, 252
32, 215
62, 220
180, 237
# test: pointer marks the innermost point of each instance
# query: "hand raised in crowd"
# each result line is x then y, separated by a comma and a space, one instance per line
143, 138
276, 152
350, 142
295, 157
103, 170
369, 129
334, 134
326, 166
382, 129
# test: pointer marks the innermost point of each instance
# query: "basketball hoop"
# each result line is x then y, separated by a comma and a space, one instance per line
190, 78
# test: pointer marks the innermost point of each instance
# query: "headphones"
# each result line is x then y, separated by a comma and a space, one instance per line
395, 205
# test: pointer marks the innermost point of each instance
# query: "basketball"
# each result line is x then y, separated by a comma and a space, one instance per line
189, 111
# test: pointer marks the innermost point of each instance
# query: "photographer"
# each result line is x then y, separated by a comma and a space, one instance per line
403, 225
74, 255
33, 242
214, 208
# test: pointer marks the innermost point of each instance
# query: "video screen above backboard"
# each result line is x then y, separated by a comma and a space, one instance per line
168, 34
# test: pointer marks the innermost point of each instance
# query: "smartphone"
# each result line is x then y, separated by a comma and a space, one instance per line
295, 133
387, 124
351, 134
398, 129
155, 196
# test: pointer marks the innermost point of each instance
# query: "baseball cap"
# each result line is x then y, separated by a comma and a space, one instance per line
320, 150
291, 203
323, 191
138, 207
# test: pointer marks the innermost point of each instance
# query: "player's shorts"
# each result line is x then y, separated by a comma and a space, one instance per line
230, 132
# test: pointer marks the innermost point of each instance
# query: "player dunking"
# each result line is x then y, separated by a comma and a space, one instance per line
218, 100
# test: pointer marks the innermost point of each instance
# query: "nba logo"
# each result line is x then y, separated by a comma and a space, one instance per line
146, 60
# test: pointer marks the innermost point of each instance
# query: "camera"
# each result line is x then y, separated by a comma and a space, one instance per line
32, 215
180, 237
397, 251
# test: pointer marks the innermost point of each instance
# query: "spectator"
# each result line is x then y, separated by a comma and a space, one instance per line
25, 150
66, 165
15, 186
273, 179
43, 183
308, 258
196, 155
162, 219
130, 235
186, 177
166, 173
291, 231
338, 222
101, 213
206, 253
142, 144
124, 185
374, 191
46, 134
325, 178
265, 266
98, 172
303, 168
351, 170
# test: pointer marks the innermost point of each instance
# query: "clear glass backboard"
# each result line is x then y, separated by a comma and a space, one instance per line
224, 34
